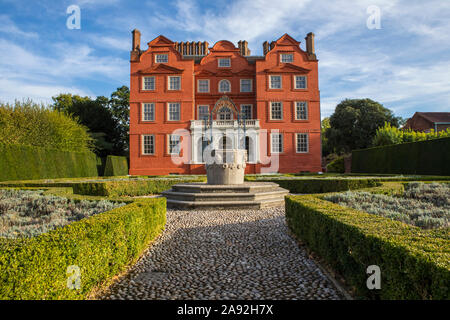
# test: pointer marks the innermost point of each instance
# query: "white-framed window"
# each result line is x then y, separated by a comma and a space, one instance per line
246, 111
148, 83
276, 145
203, 85
246, 85
300, 82
287, 57
203, 112
224, 62
276, 110
173, 144
275, 82
148, 144
301, 110
148, 112
224, 86
162, 58
174, 82
302, 143
225, 113
173, 111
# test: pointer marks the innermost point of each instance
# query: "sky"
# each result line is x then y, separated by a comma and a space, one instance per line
396, 52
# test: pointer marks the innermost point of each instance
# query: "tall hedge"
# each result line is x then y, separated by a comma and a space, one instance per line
423, 157
25, 163
116, 166
101, 246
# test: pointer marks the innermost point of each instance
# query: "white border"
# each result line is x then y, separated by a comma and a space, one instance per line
295, 110
270, 110
295, 81
142, 144
143, 113
168, 111
143, 83
281, 81
307, 142
168, 83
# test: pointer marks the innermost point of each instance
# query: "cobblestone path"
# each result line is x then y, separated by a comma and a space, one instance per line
246, 254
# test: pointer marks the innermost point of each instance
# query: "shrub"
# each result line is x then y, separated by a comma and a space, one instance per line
299, 185
131, 187
336, 166
116, 166
101, 246
414, 263
29, 124
430, 157
27, 213
26, 163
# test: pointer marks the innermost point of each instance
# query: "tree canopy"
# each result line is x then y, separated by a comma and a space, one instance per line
354, 124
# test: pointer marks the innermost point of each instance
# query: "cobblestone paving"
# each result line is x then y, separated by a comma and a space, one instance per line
243, 254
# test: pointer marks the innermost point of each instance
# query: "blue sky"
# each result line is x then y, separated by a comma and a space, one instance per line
405, 64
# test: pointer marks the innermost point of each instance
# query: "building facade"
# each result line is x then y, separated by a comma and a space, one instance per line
427, 121
187, 98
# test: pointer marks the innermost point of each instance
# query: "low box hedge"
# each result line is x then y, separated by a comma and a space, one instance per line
26, 163
101, 246
300, 185
130, 187
116, 166
414, 263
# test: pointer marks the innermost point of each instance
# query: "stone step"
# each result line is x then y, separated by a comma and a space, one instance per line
248, 187
226, 196
223, 205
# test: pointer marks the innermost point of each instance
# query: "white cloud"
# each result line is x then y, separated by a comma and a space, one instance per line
8, 26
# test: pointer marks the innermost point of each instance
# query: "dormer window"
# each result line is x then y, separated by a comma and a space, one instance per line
287, 58
224, 62
162, 58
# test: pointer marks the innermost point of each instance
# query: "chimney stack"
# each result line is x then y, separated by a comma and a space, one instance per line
310, 45
243, 48
136, 40
265, 47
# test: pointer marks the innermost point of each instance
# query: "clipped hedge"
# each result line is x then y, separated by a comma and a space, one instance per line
127, 187
431, 157
116, 166
27, 163
414, 263
101, 246
336, 166
321, 185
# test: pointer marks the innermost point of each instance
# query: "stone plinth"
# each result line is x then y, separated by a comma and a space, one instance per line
227, 167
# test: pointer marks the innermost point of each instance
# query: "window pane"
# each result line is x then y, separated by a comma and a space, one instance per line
203, 112
302, 142
149, 83
174, 144
246, 85
149, 112
301, 112
174, 83
287, 57
224, 62
300, 82
275, 82
246, 111
277, 142
276, 111
203, 86
162, 58
174, 111
225, 114
224, 86
149, 144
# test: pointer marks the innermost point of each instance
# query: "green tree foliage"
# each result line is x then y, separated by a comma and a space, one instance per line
29, 124
354, 123
97, 116
325, 125
120, 108
388, 135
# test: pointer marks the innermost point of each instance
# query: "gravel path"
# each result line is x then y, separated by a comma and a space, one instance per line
244, 254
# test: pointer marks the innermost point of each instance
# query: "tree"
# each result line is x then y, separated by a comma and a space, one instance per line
120, 108
97, 117
325, 125
354, 124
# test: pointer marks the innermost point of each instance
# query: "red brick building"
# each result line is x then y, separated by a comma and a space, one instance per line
426, 121
183, 92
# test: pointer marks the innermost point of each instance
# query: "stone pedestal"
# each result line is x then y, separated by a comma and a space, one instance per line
227, 167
